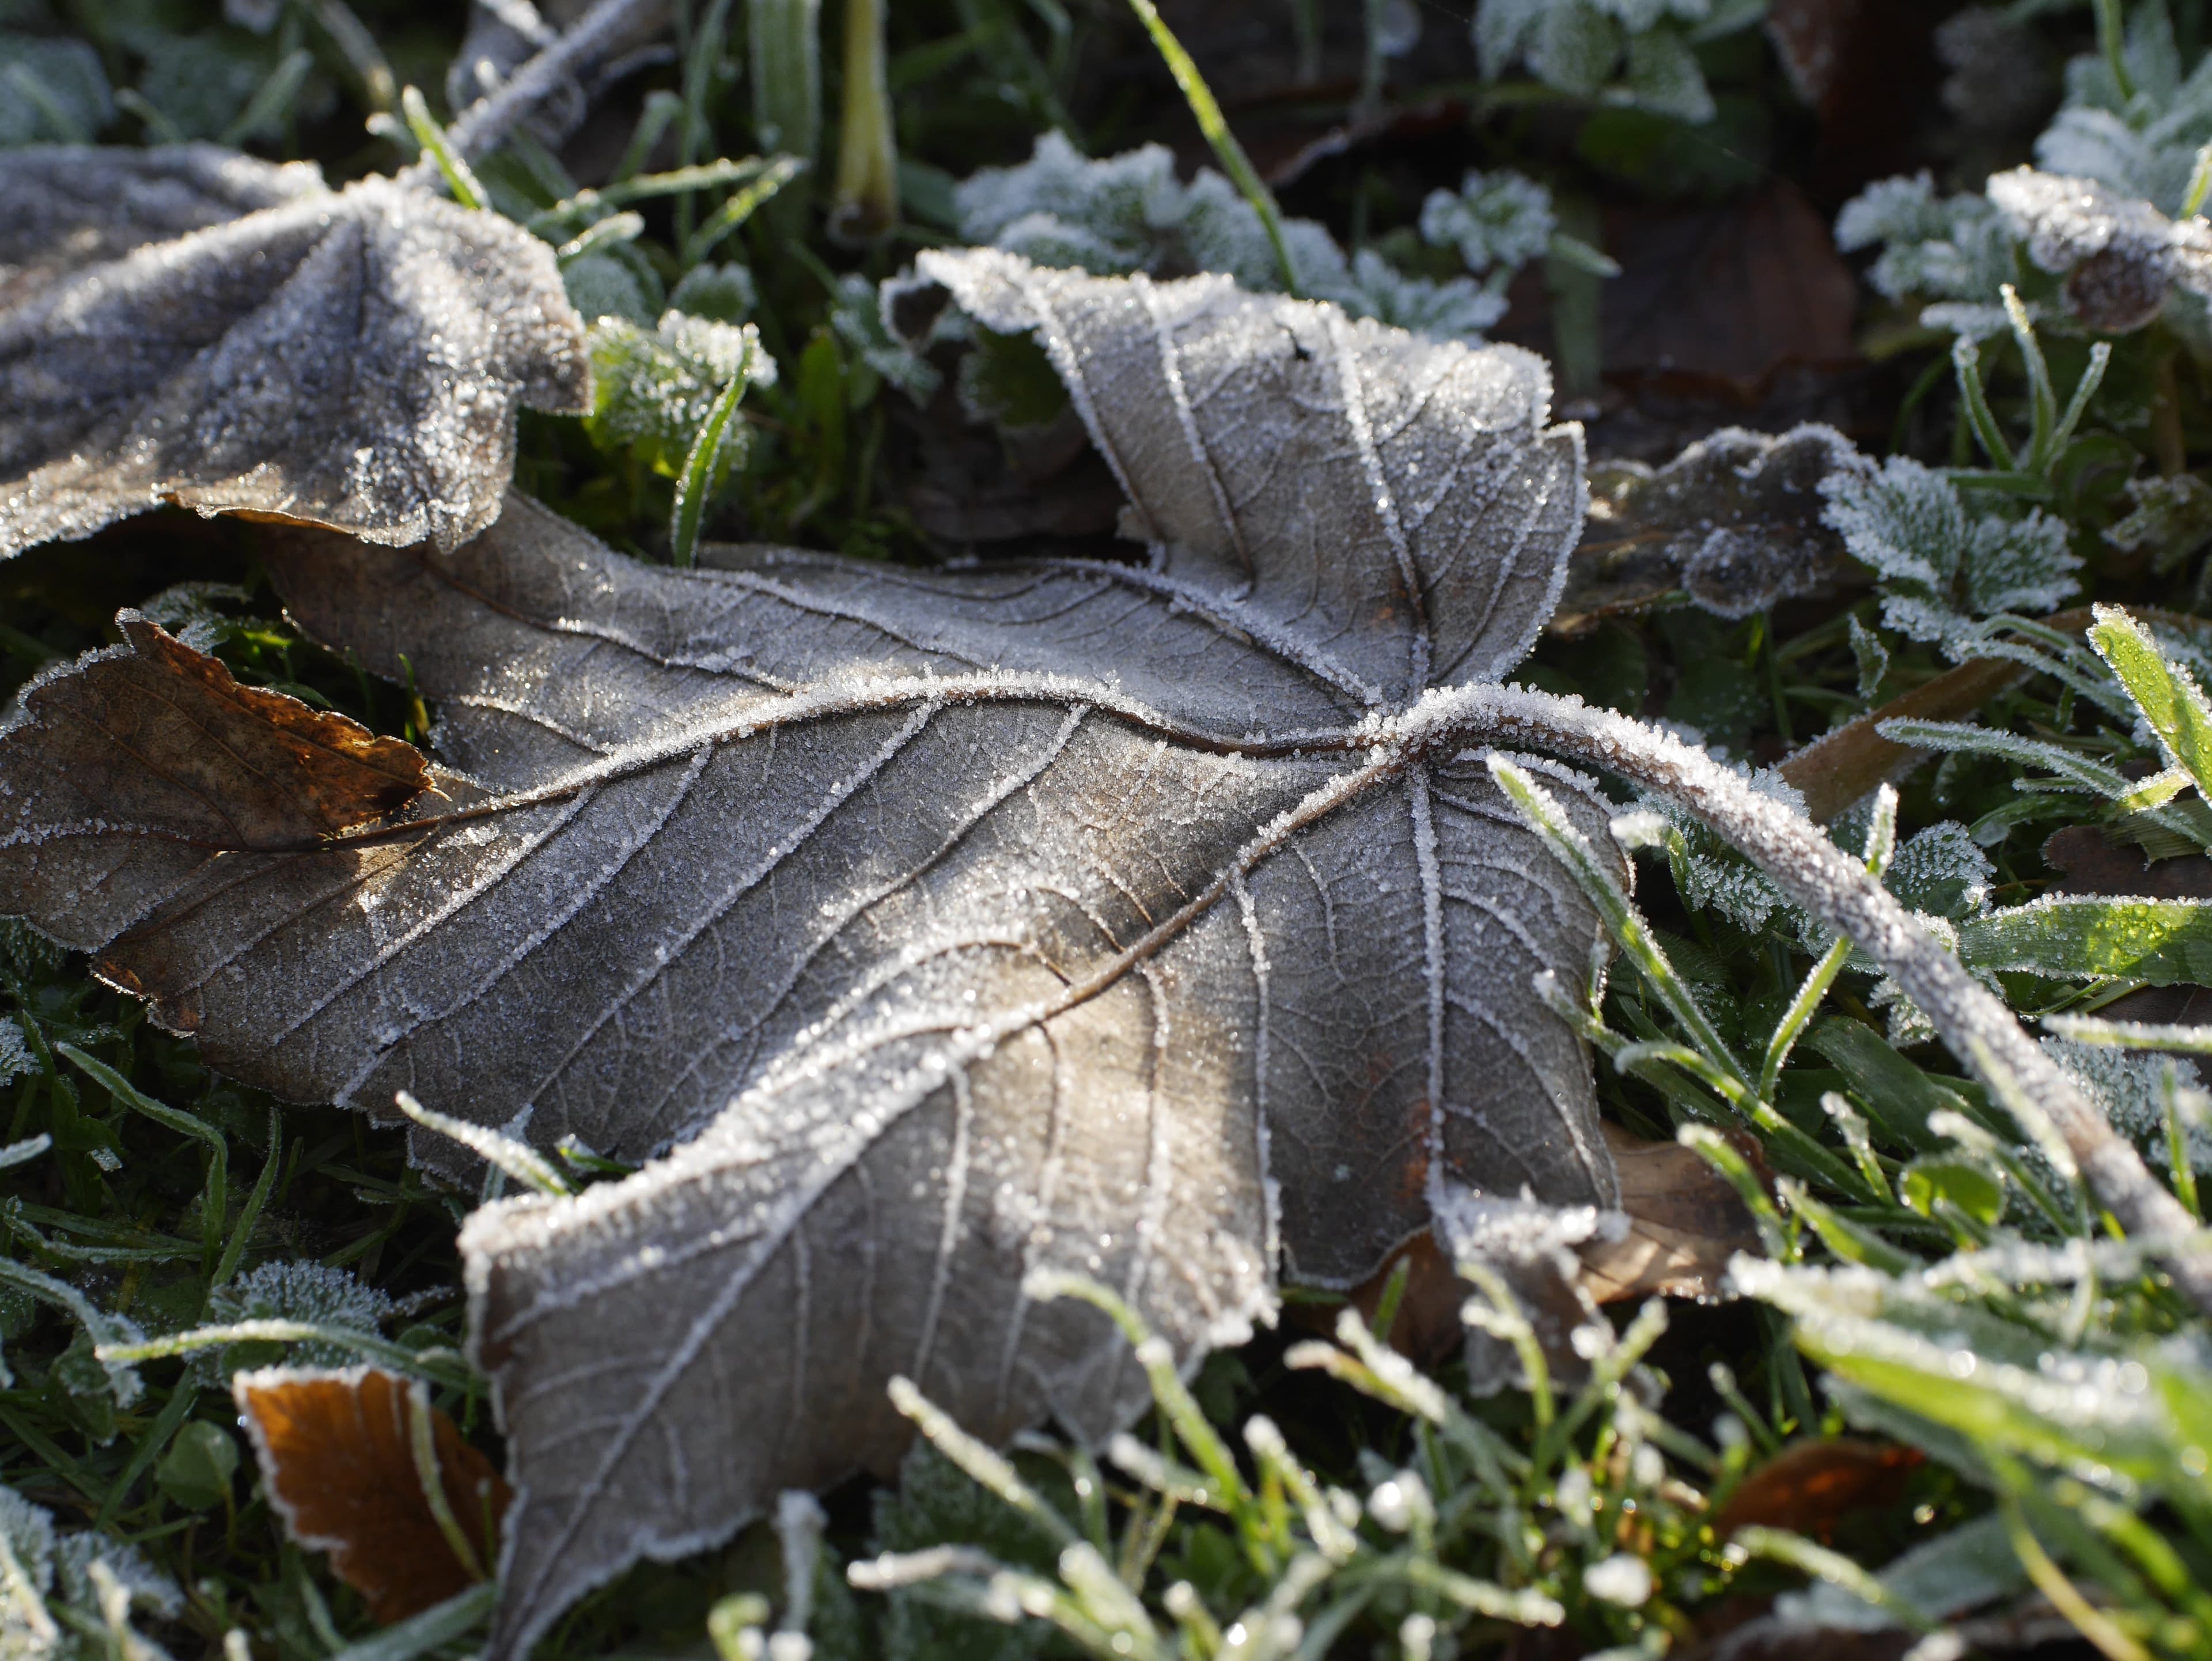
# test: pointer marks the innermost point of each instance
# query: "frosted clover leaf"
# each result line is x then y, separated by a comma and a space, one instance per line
858, 319
16, 1060
352, 358
1714, 875
70, 1597
601, 285
1943, 877
2129, 1086
1458, 308
1498, 220
2143, 145
1638, 49
1130, 213
1943, 566
1942, 870
922, 929
1958, 250
1123, 208
723, 294
656, 387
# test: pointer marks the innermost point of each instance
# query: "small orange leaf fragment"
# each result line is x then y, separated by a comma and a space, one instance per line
1811, 1486
347, 1465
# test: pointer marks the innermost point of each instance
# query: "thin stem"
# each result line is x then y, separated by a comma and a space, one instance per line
866, 203
1215, 126
1881, 843
1966, 359
1837, 890
438, 150
2111, 40
2200, 185
2045, 396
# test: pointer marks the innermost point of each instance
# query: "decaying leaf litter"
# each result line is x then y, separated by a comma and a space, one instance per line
1253, 684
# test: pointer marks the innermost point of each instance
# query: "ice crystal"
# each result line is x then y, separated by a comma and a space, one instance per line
1494, 219
1622, 1579
656, 387
1941, 565
1128, 213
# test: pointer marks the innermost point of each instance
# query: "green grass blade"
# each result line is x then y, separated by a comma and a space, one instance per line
1215, 126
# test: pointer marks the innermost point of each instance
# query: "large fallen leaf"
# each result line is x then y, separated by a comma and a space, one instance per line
949, 927
359, 1465
65, 206
351, 358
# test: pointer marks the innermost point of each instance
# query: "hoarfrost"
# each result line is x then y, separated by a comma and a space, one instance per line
1943, 566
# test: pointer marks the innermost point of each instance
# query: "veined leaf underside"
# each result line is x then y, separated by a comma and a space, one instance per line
944, 926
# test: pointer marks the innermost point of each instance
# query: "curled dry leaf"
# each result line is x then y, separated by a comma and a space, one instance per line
351, 358
1678, 1223
1126, 921
1734, 521
359, 1465
65, 206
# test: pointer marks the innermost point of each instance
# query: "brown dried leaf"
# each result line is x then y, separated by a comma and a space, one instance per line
136, 766
352, 360
339, 1463
1684, 1222
1071, 914
1809, 1486
1717, 300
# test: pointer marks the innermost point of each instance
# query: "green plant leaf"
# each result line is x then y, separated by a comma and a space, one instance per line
2068, 937
2172, 704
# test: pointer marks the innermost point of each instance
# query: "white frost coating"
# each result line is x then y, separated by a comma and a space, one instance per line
481, 127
